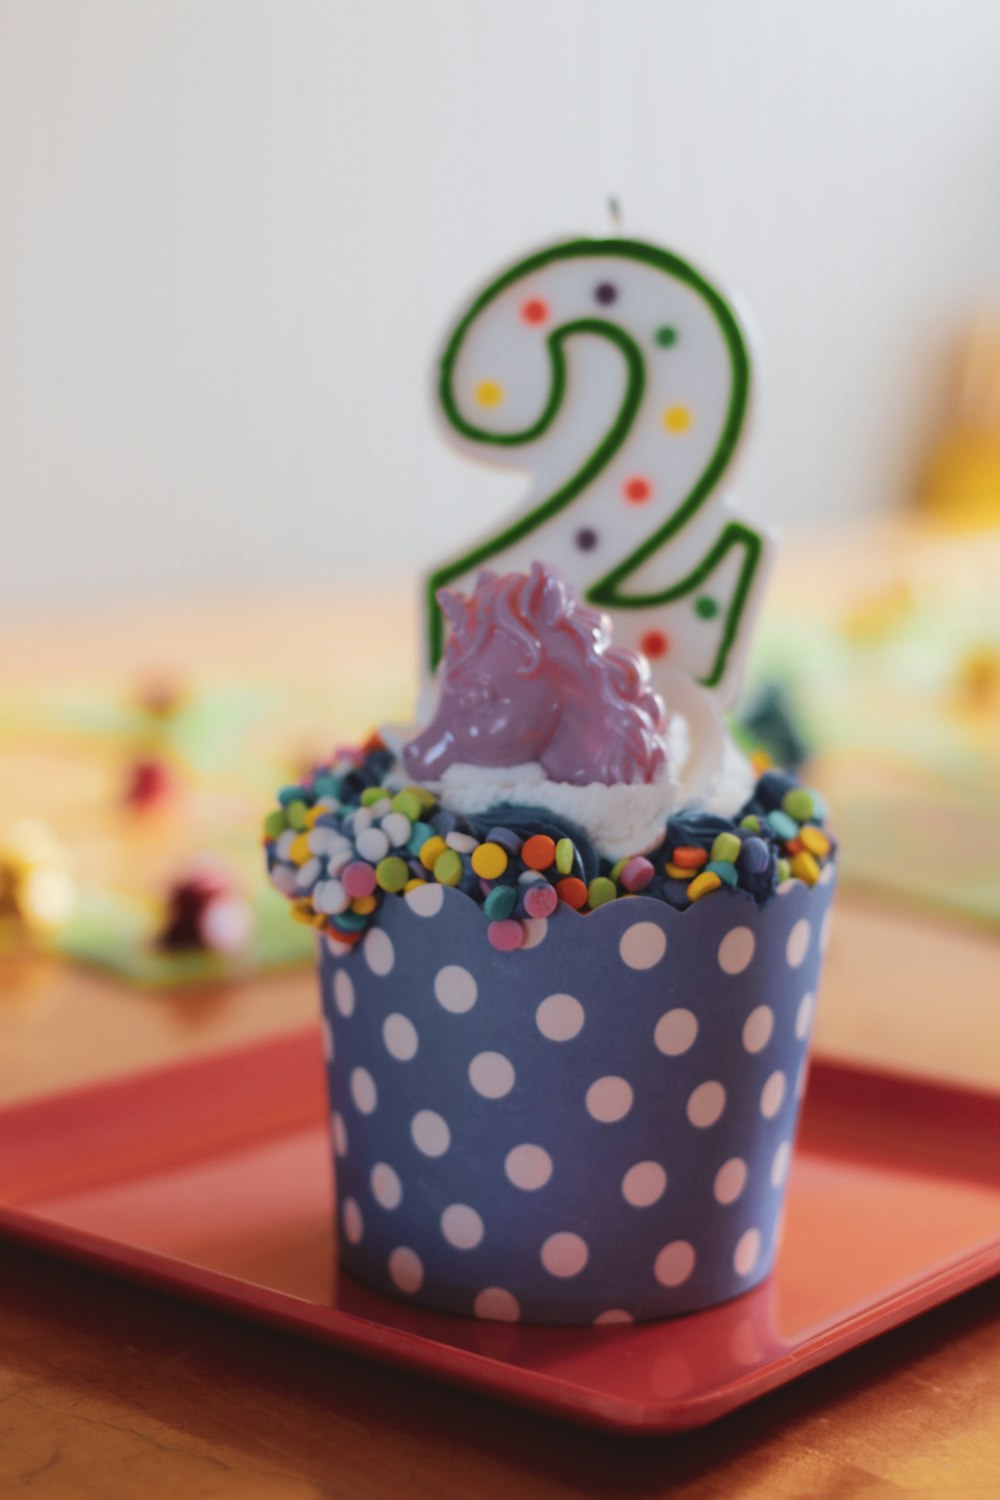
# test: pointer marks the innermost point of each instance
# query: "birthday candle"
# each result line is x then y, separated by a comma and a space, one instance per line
618, 377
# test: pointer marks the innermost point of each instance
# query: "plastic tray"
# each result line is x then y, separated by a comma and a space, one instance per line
212, 1180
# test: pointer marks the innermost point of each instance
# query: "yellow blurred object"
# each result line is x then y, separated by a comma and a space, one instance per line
877, 614
36, 889
979, 680
961, 487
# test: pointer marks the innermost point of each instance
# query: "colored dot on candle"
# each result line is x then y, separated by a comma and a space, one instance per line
605, 292
534, 310
677, 418
489, 393
654, 644
637, 489
586, 539
665, 336
706, 608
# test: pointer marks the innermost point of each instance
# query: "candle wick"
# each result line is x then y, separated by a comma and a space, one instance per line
615, 211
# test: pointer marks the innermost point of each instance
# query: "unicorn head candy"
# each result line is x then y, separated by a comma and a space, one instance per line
529, 675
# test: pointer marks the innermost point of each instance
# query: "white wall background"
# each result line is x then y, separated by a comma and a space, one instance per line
233, 231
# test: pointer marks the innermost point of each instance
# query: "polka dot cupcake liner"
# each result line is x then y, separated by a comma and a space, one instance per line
596, 1128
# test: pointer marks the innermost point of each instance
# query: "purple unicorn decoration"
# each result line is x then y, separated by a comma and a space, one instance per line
529, 674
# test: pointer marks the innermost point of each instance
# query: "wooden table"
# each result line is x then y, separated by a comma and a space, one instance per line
107, 1391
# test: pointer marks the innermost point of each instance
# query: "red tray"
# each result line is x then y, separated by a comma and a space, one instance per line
211, 1180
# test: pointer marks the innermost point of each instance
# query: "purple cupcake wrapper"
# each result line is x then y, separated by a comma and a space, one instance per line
595, 1127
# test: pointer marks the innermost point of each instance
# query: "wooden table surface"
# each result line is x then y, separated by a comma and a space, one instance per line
109, 1391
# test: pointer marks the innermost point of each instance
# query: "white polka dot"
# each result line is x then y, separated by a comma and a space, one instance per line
363, 1090
779, 1166
461, 1226
455, 988
430, 1132
786, 888
798, 943
343, 992
387, 1190
535, 930
824, 932
674, 1263
800, 1080
730, 1180
747, 1251
757, 1028
339, 1133
400, 1037
772, 1095
613, 1315
334, 946
564, 1255
560, 1018
378, 950
350, 1218
644, 1183
675, 1031
803, 1016
643, 945
609, 1099
528, 1167
329, 1045
736, 950
406, 1269
497, 1305
706, 1104
425, 900
827, 874
491, 1075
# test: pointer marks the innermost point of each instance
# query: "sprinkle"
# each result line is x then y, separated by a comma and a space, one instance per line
678, 872
290, 794
506, 838
784, 870
573, 891
815, 840
274, 823
371, 795
754, 856
565, 856
358, 878
724, 868
314, 814
804, 867
600, 891
397, 828
752, 822
307, 875
794, 846
505, 936
408, 804
462, 843
372, 845
431, 851
418, 837
330, 897
302, 911
726, 847
760, 761
798, 803
637, 874
781, 824
448, 867
392, 873
489, 861
295, 812
443, 822
349, 921
689, 858
364, 905
702, 884
541, 900
298, 852
618, 867
500, 902
539, 852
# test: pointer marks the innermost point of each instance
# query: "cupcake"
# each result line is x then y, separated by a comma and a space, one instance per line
566, 997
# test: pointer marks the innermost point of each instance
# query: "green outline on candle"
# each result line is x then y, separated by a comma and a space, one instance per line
606, 590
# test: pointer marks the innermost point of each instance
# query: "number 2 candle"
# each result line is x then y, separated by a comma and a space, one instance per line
618, 377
